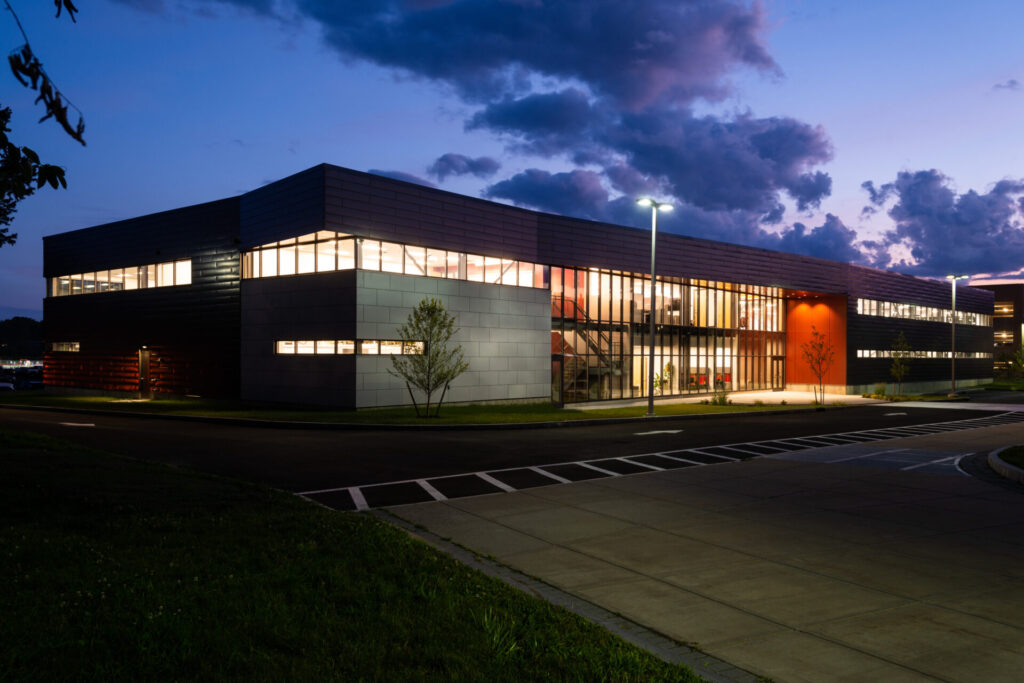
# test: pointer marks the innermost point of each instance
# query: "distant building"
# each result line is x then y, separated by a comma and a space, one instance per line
1008, 318
293, 292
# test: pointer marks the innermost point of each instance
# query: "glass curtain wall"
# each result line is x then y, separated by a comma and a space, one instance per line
710, 335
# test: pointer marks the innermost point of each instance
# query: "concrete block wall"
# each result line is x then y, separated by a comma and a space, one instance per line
505, 334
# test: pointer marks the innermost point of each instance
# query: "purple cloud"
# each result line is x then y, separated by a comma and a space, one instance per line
576, 193
948, 232
1012, 84
459, 164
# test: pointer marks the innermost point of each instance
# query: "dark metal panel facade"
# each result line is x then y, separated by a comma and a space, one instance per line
196, 326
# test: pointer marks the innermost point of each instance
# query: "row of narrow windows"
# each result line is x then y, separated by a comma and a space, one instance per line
167, 274
349, 347
889, 353
892, 309
327, 251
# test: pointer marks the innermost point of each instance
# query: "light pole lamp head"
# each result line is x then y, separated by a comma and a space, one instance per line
658, 206
957, 277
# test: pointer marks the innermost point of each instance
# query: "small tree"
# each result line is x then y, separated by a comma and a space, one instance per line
818, 354
900, 366
438, 364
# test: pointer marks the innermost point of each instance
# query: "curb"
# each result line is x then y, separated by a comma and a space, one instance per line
350, 426
1004, 468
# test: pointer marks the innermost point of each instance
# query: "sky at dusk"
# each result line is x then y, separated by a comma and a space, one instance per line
882, 133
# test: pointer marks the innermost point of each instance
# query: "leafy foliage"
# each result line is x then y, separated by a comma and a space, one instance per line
819, 354
21, 174
900, 365
432, 325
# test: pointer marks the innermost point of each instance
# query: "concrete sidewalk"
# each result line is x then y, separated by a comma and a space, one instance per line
792, 569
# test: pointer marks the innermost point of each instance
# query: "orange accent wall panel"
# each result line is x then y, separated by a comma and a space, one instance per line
826, 315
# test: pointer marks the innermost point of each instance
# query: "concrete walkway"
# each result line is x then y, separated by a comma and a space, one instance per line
842, 565
795, 398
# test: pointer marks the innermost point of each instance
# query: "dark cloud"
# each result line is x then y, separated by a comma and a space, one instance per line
576, 193
401, 175
634, 53
831, 240
1012, 84
610, 86
947, 232
459, 164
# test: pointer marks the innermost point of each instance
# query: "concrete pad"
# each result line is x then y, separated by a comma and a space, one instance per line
495, 506
681, 615
936, 641
802, 657
568, 569
482, 536
754, 538
565, 524
655, 553
1001, 603
791, 596
886, 571
645, 511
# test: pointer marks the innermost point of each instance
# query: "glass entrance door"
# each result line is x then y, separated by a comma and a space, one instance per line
145, 388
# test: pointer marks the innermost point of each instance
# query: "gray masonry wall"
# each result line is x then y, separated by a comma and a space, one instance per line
505, 334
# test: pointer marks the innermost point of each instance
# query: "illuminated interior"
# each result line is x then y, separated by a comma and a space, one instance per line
167, 274
348, 347
327, 251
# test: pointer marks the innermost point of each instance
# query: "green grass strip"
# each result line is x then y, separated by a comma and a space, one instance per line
120, 570
457, 414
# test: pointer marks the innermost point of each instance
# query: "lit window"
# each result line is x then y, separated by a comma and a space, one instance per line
369, 347
285, 347
412, 348
305, 347
286, 260
437, 263
391, 348
102, 281
307, 257
346, 347
324, 347
415, 260
183, 272
131, 278
325, 256
268, 263
117, 279
391, 257
66, 347
346, 254
474, 268
508, 272
88, 283
369, 254
492, 270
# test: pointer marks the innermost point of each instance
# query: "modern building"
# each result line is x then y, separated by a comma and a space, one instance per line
1008, 319
293, 293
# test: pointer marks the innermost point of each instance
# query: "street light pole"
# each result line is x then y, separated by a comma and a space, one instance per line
952, 355
655, 208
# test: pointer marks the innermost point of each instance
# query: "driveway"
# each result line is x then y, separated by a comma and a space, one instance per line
876, 561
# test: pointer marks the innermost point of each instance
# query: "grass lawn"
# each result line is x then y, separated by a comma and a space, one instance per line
461, 414
1013, 456
115, 569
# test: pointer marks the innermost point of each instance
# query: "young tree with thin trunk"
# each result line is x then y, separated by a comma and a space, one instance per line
437, 364
818, 354
900, 367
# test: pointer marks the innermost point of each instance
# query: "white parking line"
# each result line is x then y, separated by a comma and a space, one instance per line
425, 485
77, 424
658, 431
868, 455
560, 480
358, 499
598, 469
494, 482
716, 455
626, 460
672, 457
933, 462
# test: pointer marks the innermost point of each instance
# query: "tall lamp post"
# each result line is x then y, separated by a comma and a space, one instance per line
952, 356
655, 208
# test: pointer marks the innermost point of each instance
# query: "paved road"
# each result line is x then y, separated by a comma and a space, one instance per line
316, 459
